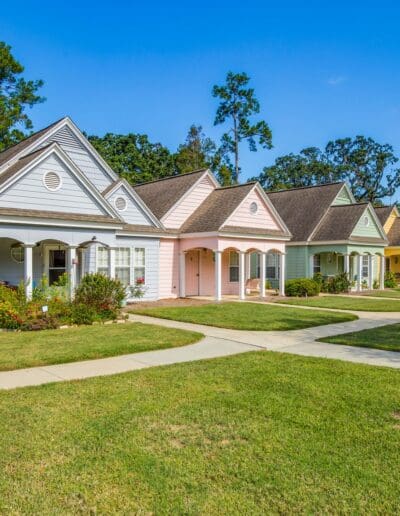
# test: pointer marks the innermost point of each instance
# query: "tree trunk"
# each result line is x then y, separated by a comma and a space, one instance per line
235, 136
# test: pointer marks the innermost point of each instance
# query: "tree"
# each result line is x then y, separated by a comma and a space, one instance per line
364, 164
295, 170
135, 158
197, 152
237, 106
16, 94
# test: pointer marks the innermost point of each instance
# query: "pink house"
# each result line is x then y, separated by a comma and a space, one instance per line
216, 240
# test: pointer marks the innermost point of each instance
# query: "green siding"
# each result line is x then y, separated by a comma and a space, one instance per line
342, 197
296, 262
372, 230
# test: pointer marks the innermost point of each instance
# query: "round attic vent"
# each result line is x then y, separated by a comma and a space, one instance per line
52, 181
253, 208
120, 203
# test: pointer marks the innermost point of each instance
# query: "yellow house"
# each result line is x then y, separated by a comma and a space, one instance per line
390, 220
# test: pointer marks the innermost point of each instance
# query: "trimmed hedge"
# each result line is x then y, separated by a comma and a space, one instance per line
302, 287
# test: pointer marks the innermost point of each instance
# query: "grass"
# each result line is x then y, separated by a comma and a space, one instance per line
29, 349
247, 316
257, 433
347, 303
392, 293
385, 337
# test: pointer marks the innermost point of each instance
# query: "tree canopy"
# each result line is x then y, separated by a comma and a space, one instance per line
237, 105
16, 94
366, 165
197, 152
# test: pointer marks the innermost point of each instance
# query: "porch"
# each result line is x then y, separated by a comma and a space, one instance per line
222, 267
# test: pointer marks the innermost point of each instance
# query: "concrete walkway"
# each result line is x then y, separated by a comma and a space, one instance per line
218, 342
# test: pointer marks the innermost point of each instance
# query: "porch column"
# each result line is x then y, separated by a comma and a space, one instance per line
71, 264
382, 273
282, 274
28, 269
263, 266
359, 272
111, 262
242, 275
311, 266
182, 274
218, 274
347, 264
370, 272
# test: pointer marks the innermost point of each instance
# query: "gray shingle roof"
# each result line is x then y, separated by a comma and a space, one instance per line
303, 208
339, 222
383, 213
394, 234
42, 214
162, 194
21, 163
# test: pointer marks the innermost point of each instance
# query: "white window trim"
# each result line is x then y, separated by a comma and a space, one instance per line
317, 266
233, 266
126, 267
97, 260
133, 266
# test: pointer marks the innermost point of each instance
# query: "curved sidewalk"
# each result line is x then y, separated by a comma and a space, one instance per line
218, 342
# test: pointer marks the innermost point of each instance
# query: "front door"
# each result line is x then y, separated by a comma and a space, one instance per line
56, 263
193, 273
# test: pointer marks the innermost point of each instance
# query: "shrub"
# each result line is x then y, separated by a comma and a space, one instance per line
9, 316
338, 284
302, 287
102, 294
390, 279
40, 323
82, 314
376, 285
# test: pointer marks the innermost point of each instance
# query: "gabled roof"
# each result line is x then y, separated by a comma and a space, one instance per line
13, 151
339, 222
303, 208
21, 163
384, 212
161, 195
394, 234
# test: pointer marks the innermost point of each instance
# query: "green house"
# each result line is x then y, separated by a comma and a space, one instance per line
332, 234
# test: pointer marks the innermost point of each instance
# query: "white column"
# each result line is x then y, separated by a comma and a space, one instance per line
182, 274
282, 274
242, 275
359, 272
370, 272
71, 264
347, 264
263, 266
382, 273
111, 262
311, 266
218, 274
28, 269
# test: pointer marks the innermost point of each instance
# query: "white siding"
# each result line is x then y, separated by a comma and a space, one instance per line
133, 213
189, 204
30, 193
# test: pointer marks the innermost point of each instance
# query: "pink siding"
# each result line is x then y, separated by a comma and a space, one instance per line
182, 211
169, 268
244, 218
227, 286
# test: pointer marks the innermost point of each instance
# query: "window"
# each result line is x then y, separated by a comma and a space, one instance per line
139, 265
102, 260
317, 264
123, 265
52, 181
233, 266
17, 253
365, 266
272, 266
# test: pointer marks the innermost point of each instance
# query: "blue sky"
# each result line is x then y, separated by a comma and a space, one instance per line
320, 72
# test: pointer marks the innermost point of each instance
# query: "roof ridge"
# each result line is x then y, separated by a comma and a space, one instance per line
305, 187
366, 203
170, 177
236, 186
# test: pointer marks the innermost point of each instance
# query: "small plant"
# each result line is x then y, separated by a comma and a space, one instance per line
302, 287
375, 286
9, 316
268, 285
104, 295
82, 314
138, 290
364, 285
390, 279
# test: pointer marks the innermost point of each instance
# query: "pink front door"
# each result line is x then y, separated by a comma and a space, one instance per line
193, 273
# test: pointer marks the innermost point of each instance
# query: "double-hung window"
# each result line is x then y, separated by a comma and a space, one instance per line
139, 265
233, 266
123, 265
272, 266
102, 260
365, 266
317, 264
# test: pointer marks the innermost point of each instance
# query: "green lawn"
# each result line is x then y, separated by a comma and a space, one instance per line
28, 349
391, 293
385, 337
347, 303
247, 316
257, 433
